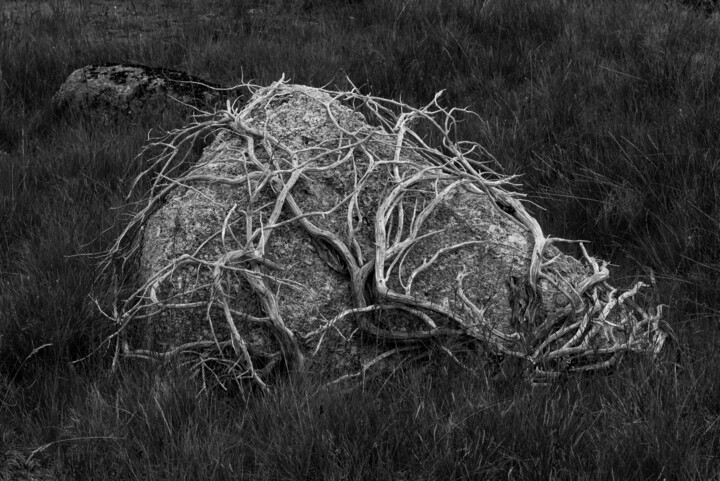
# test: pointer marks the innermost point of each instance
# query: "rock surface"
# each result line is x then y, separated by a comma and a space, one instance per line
127, 89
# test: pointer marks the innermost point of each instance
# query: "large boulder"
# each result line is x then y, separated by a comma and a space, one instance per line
310, 236
128, 88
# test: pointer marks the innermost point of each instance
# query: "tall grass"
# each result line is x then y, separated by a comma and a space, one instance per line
607, 108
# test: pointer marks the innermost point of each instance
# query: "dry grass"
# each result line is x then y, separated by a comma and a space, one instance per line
608, 110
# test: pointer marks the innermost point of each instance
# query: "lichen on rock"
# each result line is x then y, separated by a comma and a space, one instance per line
125, 89
312, 237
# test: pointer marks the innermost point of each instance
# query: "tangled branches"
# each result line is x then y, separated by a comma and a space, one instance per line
301, 211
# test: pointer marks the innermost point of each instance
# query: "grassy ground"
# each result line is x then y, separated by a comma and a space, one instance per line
608, 108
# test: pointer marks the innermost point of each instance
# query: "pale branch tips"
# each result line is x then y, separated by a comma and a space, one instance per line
303, 210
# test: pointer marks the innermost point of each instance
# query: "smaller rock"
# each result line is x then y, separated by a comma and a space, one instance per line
127, 89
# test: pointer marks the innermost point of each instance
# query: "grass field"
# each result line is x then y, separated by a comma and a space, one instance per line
609, 109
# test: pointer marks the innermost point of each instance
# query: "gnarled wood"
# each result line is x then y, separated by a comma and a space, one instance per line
313, 233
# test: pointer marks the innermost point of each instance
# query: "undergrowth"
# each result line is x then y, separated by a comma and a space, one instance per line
607, 108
